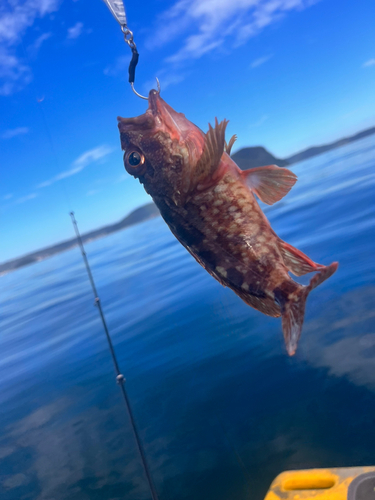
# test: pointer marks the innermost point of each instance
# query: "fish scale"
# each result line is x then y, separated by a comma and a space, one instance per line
210, 206
244, 255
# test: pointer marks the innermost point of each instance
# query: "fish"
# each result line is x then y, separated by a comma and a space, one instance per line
211, 207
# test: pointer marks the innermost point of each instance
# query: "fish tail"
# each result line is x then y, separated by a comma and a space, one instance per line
292, 315
293, 307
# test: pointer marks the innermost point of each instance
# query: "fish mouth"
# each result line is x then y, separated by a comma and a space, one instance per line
175, 123
156, 114
160, 109
155, 103
143, 122
159, 116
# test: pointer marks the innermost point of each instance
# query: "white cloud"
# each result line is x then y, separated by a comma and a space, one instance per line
20, 15
170, 78
13, 132
7, 196
92, 192
28, 197
33, 49
260, 122
370, 62
85, 159
260, 61
15, 18
14, 75
91, 156
119, 67
59, 177
212, 23
122, 178
342, 338
167, 77
75, 31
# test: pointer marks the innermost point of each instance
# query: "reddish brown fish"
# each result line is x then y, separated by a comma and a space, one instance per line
209, 205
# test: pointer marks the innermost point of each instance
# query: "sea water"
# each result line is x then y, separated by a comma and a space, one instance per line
221, 409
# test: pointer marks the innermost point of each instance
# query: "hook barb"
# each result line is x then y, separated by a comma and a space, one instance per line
141, 96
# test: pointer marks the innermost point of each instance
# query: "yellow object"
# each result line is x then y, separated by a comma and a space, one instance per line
351, 483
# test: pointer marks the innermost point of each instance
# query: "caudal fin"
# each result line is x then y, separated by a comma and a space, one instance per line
293, 308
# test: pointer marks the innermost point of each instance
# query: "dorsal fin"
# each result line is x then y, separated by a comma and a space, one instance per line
228, 147
212, 151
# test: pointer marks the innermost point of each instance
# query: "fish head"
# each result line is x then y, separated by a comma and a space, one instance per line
162, 148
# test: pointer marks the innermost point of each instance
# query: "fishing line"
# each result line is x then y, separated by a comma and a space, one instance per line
40, 107
119, 376
54, 154
117, 9
237, 456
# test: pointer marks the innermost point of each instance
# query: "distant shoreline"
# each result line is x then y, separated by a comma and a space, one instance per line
137, 216
258, 156
245, 158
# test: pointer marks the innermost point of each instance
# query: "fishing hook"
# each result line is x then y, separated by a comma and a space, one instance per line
142, 96
128, 37
117, 9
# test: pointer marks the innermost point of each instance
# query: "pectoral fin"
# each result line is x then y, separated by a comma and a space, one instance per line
270, 183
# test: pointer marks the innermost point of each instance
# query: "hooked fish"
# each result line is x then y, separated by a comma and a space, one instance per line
210, 206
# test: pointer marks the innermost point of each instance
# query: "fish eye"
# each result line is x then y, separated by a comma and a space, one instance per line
134, 159
135, 162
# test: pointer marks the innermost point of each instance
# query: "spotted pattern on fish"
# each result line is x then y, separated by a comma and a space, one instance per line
210, 206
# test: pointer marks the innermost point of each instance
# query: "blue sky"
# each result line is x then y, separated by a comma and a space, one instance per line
288, 74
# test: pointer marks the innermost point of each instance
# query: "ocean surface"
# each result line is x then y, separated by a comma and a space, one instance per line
220, 407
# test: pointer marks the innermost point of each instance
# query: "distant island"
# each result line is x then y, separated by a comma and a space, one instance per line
245, 158
141, 214
317, 150
258, 156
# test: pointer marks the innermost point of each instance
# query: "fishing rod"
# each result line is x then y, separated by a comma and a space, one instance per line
120, 379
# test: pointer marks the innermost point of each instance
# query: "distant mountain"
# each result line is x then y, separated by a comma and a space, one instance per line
317, 150
256, 157
245, 158
141, 214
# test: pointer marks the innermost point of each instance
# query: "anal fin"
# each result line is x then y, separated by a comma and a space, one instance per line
296, 261
270, 183
325, 273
